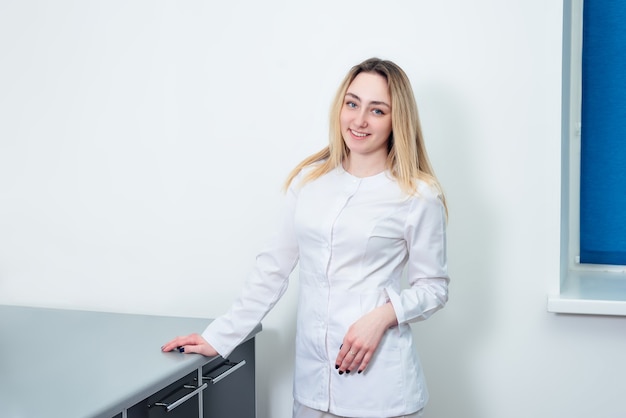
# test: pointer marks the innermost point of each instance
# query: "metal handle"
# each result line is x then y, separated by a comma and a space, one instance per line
170, 406
234, 368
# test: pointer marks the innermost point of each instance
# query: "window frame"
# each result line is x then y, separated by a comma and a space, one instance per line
582, 288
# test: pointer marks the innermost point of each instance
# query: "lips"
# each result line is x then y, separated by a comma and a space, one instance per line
358, 134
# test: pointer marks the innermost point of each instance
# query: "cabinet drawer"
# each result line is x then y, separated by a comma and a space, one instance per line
181, 399
231, 391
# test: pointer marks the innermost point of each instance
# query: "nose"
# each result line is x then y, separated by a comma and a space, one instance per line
361, 119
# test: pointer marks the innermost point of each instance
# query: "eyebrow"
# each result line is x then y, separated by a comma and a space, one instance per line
374, 102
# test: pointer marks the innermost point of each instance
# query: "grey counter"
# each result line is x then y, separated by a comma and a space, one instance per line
78, 364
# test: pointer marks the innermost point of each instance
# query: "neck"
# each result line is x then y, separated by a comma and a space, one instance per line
362, 166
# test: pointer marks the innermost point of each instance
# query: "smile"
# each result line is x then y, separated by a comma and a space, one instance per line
358, 134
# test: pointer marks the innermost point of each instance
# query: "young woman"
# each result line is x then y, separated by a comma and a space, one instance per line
359, 213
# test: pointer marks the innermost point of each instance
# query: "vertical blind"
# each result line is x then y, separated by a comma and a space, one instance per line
603, 134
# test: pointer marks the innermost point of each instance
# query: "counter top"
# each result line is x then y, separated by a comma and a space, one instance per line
78, 364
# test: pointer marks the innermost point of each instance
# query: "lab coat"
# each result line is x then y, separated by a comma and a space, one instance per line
353, 238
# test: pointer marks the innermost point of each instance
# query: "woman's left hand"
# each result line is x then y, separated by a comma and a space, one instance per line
363, 337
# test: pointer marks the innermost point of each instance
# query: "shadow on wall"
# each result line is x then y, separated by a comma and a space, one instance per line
448, 342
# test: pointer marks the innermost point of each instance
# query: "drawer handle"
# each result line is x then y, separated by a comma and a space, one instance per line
170, 406
234, 367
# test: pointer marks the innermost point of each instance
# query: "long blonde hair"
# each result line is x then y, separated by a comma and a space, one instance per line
407, 159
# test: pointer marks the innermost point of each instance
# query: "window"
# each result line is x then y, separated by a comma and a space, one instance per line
593, 280
603, 135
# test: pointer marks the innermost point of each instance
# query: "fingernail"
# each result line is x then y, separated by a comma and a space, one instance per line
336, 366
340, 372
181, 349
347, 371
340, 346
359, 372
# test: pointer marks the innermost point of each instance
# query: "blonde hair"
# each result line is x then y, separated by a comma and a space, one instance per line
407, 159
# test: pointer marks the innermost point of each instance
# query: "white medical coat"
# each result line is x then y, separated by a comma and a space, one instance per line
352, 237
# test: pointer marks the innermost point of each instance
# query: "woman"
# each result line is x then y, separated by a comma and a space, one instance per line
358, 213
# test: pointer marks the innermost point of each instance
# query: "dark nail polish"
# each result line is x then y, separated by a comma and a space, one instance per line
347, 371
340, 346
336, 366
181, 349
340, 372
359, 372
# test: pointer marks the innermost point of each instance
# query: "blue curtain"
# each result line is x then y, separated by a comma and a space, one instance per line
603, 134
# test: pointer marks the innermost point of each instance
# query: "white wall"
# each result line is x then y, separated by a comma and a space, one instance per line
143, 145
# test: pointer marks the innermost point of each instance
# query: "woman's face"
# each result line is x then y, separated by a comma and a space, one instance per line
365, 117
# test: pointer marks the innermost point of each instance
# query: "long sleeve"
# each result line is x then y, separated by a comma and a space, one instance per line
427, 271
266, 284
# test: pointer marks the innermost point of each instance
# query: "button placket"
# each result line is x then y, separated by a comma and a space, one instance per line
350, 189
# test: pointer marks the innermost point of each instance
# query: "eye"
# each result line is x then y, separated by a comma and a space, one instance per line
378, 112
351, 104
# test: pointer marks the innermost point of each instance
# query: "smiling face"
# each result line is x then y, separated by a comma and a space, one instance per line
365, 117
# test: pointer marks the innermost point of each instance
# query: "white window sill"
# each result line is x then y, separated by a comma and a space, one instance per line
591, 293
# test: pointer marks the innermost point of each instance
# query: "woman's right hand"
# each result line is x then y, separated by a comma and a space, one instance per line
192, 343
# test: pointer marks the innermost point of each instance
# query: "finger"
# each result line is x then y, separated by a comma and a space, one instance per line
173, 344
198, 345
356, 363
343, 351
340, 355
170, 345
178, 342
346, 361
364, 362
189, 349
355, 359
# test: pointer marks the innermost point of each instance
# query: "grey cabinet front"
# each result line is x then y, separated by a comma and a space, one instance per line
231, 390
226, 390
181, 399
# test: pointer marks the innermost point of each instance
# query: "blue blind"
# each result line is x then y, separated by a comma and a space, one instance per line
603, 134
